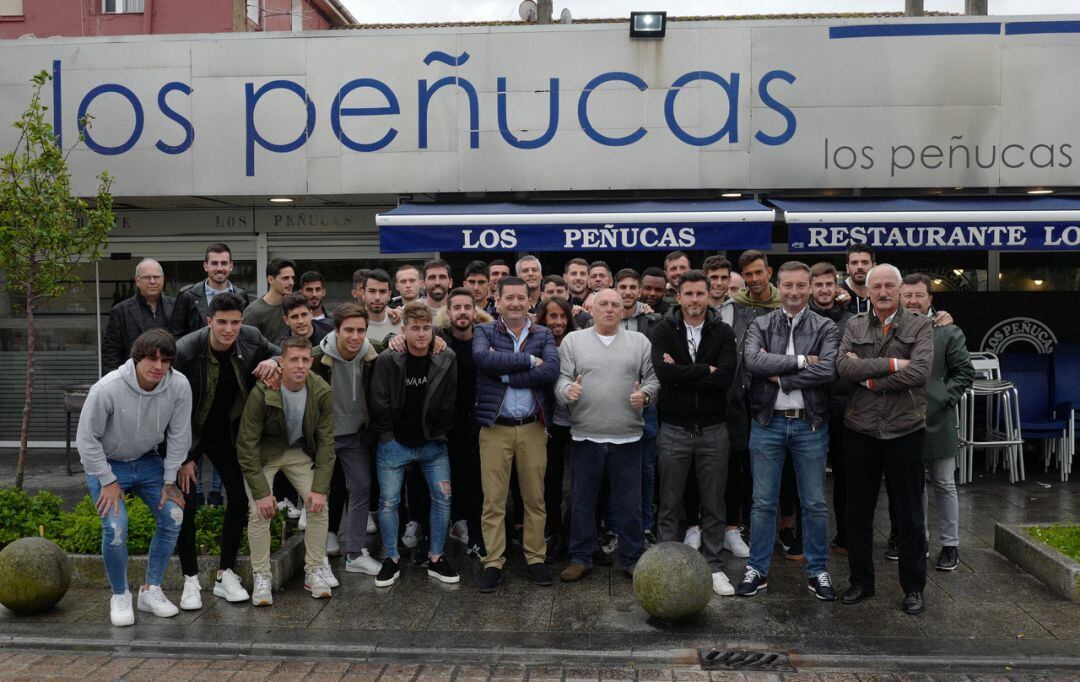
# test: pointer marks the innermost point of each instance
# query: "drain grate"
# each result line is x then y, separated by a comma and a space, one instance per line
712, 659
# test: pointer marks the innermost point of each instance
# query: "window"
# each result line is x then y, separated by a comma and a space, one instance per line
254, 11
1053, 271
11, 8
121, 6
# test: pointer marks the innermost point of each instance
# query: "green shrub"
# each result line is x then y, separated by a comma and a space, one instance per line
20, 514
1065, 539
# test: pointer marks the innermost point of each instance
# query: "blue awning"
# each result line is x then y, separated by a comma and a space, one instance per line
1008, 223
577, 226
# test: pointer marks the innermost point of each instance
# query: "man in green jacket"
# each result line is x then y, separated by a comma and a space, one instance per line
290, 430
951, 375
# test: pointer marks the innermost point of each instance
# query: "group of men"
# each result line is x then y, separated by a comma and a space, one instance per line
688, 404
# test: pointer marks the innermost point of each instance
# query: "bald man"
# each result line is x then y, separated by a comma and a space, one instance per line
128, 319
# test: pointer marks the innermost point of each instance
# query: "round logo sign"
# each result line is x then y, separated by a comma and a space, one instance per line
1019, 330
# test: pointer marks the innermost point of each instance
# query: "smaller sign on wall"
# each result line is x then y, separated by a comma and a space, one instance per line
947, 235
1012, 321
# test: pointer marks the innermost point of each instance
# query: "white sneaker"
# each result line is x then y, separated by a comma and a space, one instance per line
734, 543
363, 564
120, 611
261, 592
228, 586
460, 532
328, 574
693, 537
315, 582
289, 508
333, 546
302, 521
191, 599
721, 585
371, 527
154, 600
410, 538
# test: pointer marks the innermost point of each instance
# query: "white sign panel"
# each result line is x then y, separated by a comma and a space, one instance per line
971, 101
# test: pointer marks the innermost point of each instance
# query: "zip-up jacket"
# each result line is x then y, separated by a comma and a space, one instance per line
812, 335
841, 390
691, 396
191, 309
128, 319
386, 399
493, 353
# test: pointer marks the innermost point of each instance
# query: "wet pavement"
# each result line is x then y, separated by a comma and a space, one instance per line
986, 617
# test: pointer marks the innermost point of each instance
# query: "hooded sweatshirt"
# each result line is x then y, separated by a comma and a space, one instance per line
121, 422
743, 298
347, 386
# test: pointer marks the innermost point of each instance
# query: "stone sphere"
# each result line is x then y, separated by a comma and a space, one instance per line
673, 582
34, 575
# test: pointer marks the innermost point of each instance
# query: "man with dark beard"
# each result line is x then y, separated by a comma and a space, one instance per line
437, 282
854, 294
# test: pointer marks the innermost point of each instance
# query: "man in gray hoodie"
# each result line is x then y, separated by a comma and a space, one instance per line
345, 359
127, 413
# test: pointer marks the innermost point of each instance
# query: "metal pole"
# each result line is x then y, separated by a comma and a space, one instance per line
913, 8
543, 11
97, 308
976, 8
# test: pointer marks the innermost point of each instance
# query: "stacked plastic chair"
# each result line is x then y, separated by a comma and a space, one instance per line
1001, 435
1031, 374
1066, 362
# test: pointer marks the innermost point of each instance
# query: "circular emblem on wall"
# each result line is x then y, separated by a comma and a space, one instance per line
1019, 330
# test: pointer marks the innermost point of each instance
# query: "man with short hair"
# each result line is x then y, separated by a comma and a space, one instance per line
358, 278
437, 283
860, 259
193, 301
221, 362
576, 274
313, 287
147, 309
265, 313
718, 270
654, 289
556, 287
606, 380
516, 366
478, 280
127, 413
529, 270
693, 355
407, 282
889, 355
759, 292
289, 430
345, 359
951, 375
299, 320
675, 264
736, 284
790, 354
497, 269
381, 325
599, 276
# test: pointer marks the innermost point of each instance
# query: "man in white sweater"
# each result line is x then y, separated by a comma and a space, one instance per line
606, 380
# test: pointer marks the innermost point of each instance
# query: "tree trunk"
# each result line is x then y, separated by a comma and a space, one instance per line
31, 345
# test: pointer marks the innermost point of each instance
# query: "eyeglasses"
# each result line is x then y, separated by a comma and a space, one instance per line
151, 278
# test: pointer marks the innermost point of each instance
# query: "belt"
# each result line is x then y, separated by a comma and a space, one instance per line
510, 421
792, 414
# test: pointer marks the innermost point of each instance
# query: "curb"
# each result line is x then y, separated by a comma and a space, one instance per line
1057, 571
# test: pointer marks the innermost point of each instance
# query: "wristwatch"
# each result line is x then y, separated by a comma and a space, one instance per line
648, 399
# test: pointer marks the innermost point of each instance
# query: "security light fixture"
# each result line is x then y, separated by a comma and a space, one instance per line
648, 24
731, 195
1040, 191
281, 200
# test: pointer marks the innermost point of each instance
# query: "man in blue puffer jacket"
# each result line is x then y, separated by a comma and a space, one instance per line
517, 364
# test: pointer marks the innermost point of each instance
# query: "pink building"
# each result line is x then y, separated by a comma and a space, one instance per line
72, 18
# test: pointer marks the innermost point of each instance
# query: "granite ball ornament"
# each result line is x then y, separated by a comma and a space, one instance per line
673, 582
34, 575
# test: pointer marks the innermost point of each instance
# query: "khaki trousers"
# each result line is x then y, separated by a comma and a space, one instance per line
523, 447
297, 468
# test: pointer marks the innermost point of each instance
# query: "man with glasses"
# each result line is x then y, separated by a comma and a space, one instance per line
147, 309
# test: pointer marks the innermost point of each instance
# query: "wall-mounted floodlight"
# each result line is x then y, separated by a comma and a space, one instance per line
648, 24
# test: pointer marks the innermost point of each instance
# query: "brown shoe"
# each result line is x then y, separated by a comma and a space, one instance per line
574, 572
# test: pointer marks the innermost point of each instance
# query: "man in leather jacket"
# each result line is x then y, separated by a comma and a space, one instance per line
193, 302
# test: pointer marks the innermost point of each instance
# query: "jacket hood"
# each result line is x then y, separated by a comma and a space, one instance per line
329, 347
743, 298
442, 318
148, 417
127, 372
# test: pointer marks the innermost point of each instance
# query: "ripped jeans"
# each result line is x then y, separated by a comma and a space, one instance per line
390, 461
145, 478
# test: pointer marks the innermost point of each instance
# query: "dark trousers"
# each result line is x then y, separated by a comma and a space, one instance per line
704, 451
839, 471
236, 514
557, 450
739, 486
468, 498
589, 461
339, 494
901, 459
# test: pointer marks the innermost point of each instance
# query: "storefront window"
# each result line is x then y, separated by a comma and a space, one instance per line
1040, 271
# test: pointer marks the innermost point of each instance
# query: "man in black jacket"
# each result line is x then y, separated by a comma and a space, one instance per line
221, 362
193, 302
147, 309
693, 355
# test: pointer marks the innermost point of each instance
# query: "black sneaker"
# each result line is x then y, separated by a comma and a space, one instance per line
609, 543
821, 586
650, 538
795, 552
388, 574
441, 571
539, 574
948, 559
892, 552
752, 582
787, 538
490, 579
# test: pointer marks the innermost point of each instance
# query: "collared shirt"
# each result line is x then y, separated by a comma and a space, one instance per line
210, 291
693, 339
518, 403
793, 400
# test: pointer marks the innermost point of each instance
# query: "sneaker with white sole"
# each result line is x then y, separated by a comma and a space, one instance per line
363, 563
328, 574
693, 537
460, 532
371, 527
120, 611
389, 573
443, 572
333, 547
191, 599
411, 536
315, 583
152, 599
228, 587
301, 523
261, 593
289, 508
734, 543
721, 585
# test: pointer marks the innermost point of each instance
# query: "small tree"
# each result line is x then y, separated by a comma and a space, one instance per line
45, 232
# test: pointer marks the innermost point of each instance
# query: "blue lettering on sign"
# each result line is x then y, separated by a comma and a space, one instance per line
136, 106
730, 127
252, 99
770, 101
553, 117
336, 112
426, 93
189, 130
945, 235
583, 108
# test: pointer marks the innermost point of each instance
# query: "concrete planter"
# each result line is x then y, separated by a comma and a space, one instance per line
88, 570
1060, 573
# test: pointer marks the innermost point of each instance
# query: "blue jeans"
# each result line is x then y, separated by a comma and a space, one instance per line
145, 477
588, 463
390, 461
769, 446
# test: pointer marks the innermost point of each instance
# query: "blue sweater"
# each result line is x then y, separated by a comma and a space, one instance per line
493, 353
